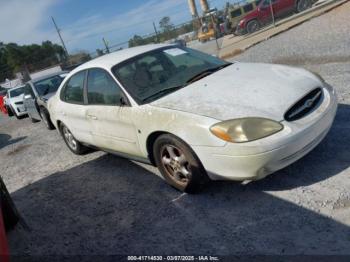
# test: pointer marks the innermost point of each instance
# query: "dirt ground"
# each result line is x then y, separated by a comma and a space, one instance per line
100, 204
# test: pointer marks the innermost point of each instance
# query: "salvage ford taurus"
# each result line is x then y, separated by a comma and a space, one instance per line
192, 115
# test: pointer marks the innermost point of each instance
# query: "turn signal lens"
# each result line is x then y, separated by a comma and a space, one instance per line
245, 129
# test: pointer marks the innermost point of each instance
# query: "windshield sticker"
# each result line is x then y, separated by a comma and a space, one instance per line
175, 51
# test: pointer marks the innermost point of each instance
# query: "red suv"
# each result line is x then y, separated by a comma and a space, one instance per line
262, 15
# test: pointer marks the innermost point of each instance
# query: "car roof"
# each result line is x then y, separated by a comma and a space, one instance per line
110, 60
48, 76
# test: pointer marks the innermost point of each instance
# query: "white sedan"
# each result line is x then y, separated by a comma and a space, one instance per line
194, 116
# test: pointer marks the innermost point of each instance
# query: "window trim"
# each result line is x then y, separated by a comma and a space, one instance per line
126, 99
62, 97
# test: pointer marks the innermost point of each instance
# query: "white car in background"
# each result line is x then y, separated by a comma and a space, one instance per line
14, 102
192, 115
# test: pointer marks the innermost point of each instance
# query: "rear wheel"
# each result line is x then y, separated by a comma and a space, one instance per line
252, 26
74, 145
46, 118
178, 164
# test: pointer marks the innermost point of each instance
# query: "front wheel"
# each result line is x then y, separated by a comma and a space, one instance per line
9, 111
74, 145
302, 5
178, 164
253, 26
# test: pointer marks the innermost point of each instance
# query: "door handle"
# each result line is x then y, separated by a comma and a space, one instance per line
92, 117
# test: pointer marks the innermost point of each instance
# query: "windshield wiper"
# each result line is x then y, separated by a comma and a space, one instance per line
163, 91
206, 72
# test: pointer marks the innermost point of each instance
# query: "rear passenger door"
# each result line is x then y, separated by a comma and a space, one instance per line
111, 119
73, 111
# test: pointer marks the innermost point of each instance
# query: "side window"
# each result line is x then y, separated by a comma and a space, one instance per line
102, 89
248, 8
236, 13
74, 89
29, 91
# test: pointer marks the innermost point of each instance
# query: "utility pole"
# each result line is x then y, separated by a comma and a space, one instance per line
106, 45
272, 14
155, 30
59, 34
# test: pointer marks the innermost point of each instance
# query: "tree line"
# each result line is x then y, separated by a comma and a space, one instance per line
15, 58
167, 32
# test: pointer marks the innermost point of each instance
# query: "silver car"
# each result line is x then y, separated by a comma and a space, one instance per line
36, 94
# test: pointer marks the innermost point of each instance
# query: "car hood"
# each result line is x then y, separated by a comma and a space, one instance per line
243, 90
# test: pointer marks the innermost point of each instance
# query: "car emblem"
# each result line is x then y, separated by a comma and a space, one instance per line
308, 103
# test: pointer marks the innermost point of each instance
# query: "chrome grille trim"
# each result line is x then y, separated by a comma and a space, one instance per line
305, 105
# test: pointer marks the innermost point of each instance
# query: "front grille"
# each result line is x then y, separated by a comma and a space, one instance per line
305, 105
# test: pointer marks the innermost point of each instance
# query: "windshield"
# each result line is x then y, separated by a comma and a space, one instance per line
48, 85
17, 92
163, 69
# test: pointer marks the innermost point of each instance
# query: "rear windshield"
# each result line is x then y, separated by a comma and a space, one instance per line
17, 92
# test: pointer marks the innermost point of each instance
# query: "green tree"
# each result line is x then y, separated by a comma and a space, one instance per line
136, 41
165, 24
13, 57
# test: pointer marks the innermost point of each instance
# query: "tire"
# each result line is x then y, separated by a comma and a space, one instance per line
10, 214
9, 111
252, 26
18, 117
302, 5
74, 145
178, 164
46, 118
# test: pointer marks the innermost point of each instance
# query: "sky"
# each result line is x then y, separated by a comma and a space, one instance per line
83, 23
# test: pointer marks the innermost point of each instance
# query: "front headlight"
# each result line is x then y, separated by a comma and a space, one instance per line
245, 129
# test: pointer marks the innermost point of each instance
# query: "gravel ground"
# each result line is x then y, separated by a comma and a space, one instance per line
101, 204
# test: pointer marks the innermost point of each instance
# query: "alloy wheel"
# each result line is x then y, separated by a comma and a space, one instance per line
72, 143
176, 164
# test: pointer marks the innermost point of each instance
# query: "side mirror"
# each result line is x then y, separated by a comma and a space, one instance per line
123, 101
28, 96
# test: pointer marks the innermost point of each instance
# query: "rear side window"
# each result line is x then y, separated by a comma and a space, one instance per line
74, 89
248, 8
236, 13
102, 89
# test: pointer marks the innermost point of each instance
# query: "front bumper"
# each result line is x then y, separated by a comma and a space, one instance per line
20, 109
257, 159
